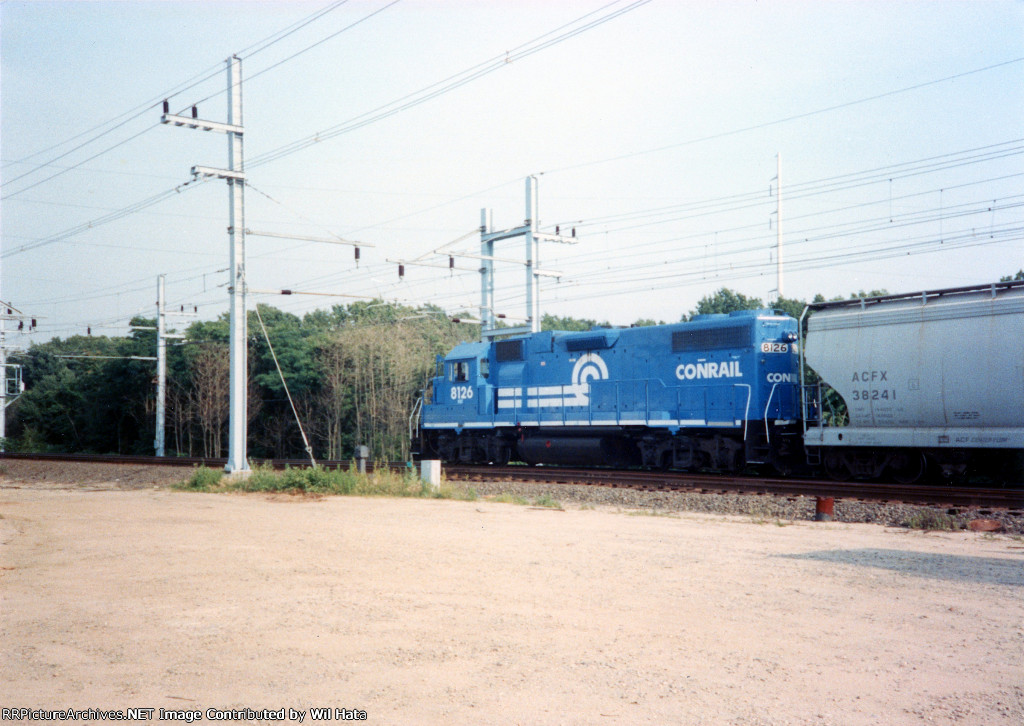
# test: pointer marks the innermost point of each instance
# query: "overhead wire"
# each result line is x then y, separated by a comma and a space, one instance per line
100, 221
787, 119
446, 85
138, 111
621, 10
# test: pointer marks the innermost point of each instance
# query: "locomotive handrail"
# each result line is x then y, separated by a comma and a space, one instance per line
414, 415
803, 383
767, 433
746, 411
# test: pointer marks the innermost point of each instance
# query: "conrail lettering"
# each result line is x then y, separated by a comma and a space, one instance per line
867, 376
709, 369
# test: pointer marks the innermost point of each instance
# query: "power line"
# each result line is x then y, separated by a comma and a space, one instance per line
137, 111
280, 35
446, 85
75, 166
100, 221
786, 119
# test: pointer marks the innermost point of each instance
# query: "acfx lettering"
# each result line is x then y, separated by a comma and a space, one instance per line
868, 376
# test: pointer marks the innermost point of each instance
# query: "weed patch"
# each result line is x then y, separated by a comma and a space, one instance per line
508, 498
930, 520
652, 513
203, 479
318, 480
546, 500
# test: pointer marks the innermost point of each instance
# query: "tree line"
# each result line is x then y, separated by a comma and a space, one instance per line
353, 371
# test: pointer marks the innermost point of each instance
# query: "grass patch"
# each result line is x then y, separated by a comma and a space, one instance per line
929, 520
652, 513
546, 500
508, 498
318, 480
203, 479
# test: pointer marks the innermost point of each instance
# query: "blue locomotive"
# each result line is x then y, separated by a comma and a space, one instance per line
720, 391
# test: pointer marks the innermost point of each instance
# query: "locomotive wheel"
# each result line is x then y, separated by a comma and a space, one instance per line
908, 467
781, 463
503, 457
836, 467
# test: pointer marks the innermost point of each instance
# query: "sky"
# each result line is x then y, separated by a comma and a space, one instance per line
657, 129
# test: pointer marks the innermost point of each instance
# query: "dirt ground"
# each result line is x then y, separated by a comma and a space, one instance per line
117, 596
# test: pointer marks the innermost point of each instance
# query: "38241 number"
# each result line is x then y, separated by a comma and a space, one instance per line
874, 394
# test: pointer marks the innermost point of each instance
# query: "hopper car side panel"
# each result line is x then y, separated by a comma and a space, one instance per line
936, 374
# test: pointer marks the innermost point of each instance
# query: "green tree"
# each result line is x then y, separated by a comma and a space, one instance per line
724, 301
553, 322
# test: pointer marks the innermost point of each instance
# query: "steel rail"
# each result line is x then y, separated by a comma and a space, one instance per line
191, 462
948, 496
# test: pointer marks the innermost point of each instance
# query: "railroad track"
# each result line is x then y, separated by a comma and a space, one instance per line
1011, 499
1008, 498
189, 462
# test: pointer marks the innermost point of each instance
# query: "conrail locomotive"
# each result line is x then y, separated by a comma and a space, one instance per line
896, 385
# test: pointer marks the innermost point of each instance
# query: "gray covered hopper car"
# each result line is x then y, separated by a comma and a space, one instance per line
931, 380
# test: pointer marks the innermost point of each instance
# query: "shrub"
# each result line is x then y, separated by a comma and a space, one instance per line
380, 482
203, 479
930, 520
508, 498
546, 500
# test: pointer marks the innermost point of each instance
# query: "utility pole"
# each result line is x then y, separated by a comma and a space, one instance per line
778, 222
235, 176
161, 368
532, 239
486, 271
11, 387
3, 377
528, 230
161, 364
3, 386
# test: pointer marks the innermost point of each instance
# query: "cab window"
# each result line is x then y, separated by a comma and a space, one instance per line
458, 371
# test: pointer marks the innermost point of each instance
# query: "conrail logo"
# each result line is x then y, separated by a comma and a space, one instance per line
708, 369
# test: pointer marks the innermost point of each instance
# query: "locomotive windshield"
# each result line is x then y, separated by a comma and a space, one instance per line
458, 371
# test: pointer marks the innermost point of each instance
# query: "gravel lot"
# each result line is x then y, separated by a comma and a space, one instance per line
122, 594
98, 476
